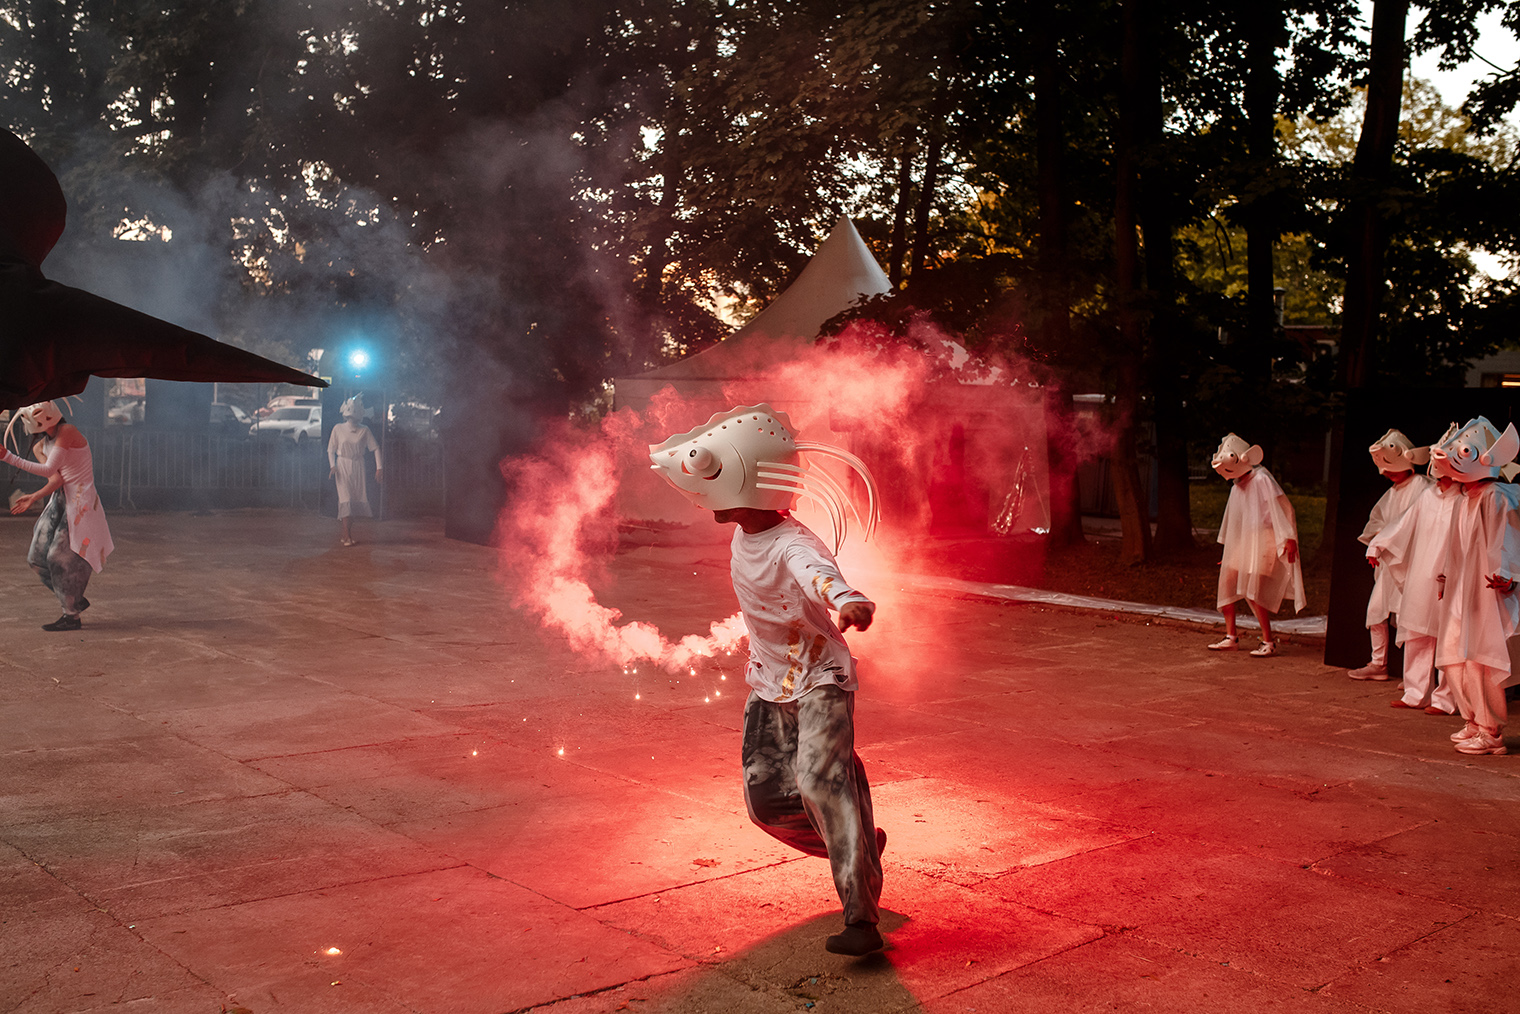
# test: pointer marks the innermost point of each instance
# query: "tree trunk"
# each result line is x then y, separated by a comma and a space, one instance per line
1174, 518
1263, 89
920, 249
1134, 517
1367, 232
900, 218
1053, 291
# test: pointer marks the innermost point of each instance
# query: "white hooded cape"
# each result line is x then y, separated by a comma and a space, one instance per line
1258, 522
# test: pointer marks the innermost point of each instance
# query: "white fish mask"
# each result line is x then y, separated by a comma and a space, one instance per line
1234, 458
354, 409
1477, 451
750, 457
1394, 452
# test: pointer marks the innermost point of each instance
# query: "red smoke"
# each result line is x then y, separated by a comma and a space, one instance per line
902, 410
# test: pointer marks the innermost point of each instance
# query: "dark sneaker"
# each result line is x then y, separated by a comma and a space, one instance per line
64, 622
858, 938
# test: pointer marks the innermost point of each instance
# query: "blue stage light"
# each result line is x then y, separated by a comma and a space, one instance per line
358, 359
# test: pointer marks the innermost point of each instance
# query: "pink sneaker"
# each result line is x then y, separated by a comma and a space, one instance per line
1369, 672
1467, 732
1481, 742
1230, 643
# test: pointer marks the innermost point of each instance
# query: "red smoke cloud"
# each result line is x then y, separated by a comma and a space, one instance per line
903, 410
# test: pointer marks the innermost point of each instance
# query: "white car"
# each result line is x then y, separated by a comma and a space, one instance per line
299, 423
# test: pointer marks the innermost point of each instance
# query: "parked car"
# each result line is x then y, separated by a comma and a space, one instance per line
229, 420
285, 401
298, 423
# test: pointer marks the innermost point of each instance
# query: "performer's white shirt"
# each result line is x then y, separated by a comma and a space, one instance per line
1412, 550
1387, 589
1258, 522
786, 581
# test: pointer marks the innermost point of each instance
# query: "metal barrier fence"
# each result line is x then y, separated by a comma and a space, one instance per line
169, 470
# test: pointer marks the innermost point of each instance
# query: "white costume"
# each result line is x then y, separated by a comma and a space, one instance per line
803, 783
1412, 552
71, 539
1392, 454
1483, 543
345, 455
1257, 526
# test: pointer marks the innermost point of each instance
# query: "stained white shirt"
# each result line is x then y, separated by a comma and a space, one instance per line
89, 535
786, 581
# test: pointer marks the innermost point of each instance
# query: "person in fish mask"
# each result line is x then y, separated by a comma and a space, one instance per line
71, 539
803, 782
1479, 607
1395, 458
1260, 537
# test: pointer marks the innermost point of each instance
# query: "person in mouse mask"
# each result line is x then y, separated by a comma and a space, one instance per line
1260, 537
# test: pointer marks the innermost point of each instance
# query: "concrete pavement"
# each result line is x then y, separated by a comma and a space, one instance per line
272, 774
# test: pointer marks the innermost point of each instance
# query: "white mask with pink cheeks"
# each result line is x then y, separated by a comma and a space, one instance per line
750, 457
1235, 457
1394, 452
1477, 451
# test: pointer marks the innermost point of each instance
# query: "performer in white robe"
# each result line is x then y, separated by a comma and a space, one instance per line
1260, 537
71, 539
1412, 552
1480, 610
1395, 458
345, 459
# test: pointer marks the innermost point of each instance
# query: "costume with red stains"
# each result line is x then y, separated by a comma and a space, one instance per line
71, 539
1479, 608
803, 782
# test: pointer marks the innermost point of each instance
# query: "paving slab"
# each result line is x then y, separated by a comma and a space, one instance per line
458, 940
261, 746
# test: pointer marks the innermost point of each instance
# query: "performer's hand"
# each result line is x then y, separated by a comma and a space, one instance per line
332, 471
379, 475
1441, 591
23, 504
1372, 561
855, 614
1290, 551
1502, 585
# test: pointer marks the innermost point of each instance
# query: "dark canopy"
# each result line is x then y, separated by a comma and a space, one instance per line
53, 337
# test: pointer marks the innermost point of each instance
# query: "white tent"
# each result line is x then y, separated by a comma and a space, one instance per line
999, 430
841, 272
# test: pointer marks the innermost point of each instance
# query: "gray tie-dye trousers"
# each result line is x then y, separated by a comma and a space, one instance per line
805, 786
62, 570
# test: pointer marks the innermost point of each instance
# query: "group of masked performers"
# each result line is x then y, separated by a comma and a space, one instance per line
1446, 548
